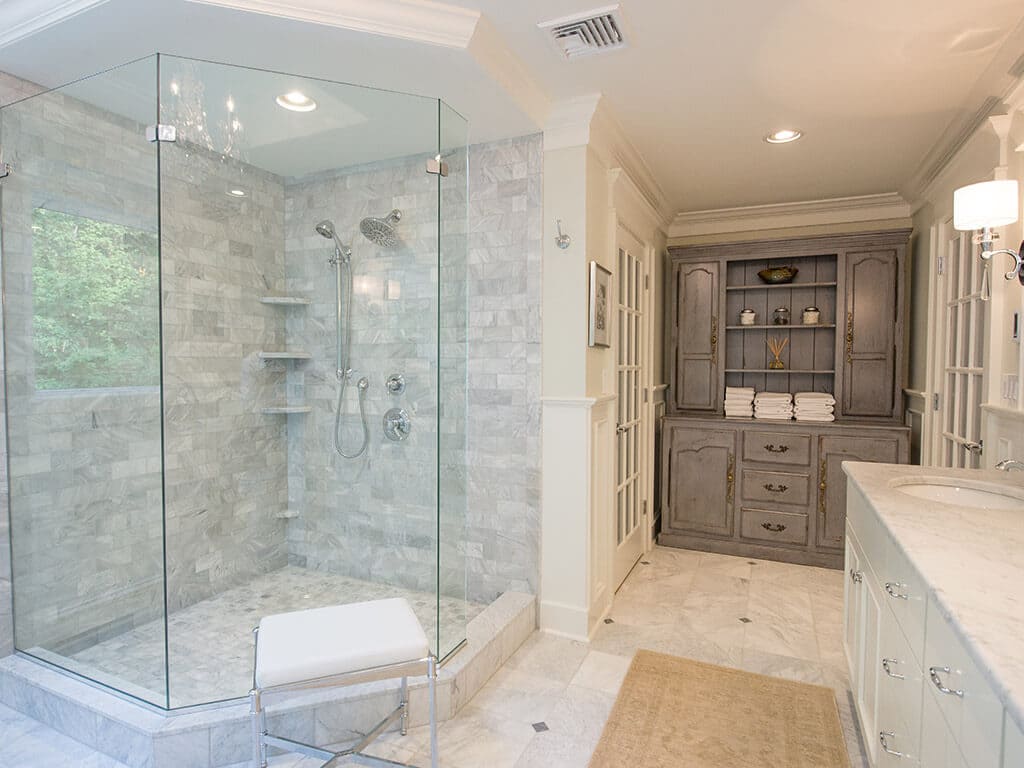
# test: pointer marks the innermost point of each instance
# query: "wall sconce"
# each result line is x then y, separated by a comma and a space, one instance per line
983, 207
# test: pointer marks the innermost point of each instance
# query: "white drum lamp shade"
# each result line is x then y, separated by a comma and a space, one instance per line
986, 205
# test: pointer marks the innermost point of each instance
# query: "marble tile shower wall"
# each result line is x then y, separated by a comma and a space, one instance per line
372, 517
225, 461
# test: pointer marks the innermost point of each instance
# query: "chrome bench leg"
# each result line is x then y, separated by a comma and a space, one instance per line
259, 730
405, 706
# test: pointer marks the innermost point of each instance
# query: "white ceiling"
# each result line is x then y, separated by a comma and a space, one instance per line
874, 84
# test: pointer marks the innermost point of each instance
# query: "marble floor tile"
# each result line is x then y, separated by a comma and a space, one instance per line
547, 706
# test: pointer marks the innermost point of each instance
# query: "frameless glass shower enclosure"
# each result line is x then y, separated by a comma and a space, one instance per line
235, 336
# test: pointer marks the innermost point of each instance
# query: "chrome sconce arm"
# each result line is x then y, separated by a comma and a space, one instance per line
986, 238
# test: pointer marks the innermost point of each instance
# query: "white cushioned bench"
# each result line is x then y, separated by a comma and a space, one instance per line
334, 646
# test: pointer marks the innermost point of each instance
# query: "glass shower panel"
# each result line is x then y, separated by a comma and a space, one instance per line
300, 247
81, 270
453, 252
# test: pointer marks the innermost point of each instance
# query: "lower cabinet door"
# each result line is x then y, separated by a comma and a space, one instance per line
701, 480
867, 694
852, 598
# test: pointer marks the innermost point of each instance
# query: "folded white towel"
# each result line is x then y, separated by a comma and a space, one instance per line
771, 417
738, 399
812, 411
739, 391
760, 399
813, 396
806, 417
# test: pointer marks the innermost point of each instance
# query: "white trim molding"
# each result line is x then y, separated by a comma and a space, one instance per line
421, 21
840, 210
23, 18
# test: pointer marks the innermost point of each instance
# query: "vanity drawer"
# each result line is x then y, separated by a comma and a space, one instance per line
776, 487
906, 595
777, 448
773, 526
967, 702
899, 693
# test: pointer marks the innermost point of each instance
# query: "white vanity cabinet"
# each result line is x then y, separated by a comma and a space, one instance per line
920, 696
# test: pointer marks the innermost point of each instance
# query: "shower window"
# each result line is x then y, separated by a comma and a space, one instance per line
94, 302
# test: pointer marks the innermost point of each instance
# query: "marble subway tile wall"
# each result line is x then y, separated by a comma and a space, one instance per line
85, 468
226, 461
372, 517
11, 89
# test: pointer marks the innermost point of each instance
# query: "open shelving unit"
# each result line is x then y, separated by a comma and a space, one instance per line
809, 356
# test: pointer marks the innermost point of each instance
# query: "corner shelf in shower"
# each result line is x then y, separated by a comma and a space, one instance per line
291, 355
273, 410
286, 301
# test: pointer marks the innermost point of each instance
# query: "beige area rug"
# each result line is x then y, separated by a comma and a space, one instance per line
678, 713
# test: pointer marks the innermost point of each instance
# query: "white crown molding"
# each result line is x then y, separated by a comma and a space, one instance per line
491, 52
22, 18
840, 210
588, 120
421, 21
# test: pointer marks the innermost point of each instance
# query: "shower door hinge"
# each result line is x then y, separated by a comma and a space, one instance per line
5, 170
160, 132
437, 166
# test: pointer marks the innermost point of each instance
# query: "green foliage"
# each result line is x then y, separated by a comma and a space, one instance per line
95, 292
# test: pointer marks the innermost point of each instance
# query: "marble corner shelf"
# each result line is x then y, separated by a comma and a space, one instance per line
272, 410
294, 354
286, 301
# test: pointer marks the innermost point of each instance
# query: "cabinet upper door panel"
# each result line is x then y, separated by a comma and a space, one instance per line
870, 332
694, 342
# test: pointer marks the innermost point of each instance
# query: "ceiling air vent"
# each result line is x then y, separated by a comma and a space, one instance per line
582, 34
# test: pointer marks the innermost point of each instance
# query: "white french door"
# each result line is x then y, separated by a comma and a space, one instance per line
963, 367
630, 427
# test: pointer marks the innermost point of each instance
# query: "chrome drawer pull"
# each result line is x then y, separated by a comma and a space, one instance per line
770, 447
774, 528
856, 576
773, 488
893, 588
882, 736
888, 671
933, 672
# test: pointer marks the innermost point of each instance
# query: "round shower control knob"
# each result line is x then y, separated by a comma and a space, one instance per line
395, 383
397, 424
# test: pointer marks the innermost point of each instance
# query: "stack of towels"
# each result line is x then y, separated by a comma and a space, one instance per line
814, 406
739, 402
777, 406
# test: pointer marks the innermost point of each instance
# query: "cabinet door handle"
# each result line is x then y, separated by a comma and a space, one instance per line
849, 337
714, 339
771, 448
773, 488
886, 666
773, 527
822, 488
933, 673
856, 576
882, 737
893, 589
730, 478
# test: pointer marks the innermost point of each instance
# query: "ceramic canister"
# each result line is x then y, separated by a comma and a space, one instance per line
811, 316
748, 317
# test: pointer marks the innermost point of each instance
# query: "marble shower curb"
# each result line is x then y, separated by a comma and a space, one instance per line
217, 737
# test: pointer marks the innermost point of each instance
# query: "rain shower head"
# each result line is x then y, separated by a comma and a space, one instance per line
381, 232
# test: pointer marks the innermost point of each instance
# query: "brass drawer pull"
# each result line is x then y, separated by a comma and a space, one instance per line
882, 736
773, 488
933, 673
773, 527
886, 665
893, 590
771, 448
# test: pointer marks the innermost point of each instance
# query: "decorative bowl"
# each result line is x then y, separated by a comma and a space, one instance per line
776, 275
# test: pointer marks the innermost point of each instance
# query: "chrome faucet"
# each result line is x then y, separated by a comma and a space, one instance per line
1007, 464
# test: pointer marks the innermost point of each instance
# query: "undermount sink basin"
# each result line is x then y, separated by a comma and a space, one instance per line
969, 495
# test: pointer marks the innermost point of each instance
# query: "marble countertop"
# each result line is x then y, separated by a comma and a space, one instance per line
972, 560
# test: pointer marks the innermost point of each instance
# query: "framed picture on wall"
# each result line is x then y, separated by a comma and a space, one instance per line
600, 306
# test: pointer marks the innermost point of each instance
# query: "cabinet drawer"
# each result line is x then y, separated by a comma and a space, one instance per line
967, 702
906, 595
769, 525
776, 487
777, 448
900, 688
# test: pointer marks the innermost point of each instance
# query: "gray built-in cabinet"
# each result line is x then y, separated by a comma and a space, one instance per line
775, 489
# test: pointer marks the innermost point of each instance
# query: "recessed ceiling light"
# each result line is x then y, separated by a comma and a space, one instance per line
236, 192
784, 136
296, 101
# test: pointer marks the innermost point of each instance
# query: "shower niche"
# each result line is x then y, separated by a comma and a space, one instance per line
191, 446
